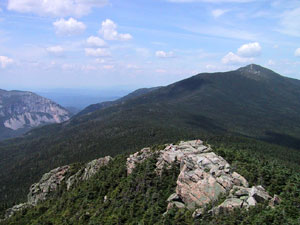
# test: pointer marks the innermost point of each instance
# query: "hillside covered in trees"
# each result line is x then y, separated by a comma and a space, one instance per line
250, 116
114, 197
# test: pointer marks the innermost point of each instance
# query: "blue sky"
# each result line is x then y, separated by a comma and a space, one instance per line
142, 43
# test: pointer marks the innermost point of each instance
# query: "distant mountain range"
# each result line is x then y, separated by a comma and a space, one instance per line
21, 111
249, 102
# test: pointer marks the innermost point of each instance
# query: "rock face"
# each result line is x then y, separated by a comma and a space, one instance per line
88, 171
136, 158
25, 110
10, 212
55, 179
48, 184
204, 177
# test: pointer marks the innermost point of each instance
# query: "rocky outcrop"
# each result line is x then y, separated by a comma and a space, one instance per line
88, 171
60, 177
241, 197
10, 212
137, 158
48, 184
204, 177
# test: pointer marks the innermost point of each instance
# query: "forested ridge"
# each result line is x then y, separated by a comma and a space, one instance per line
250, 116
140, 198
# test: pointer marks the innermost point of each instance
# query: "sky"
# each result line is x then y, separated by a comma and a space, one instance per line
142, 43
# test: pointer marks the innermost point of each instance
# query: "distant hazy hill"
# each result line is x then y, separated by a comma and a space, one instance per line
251, 101
20, 111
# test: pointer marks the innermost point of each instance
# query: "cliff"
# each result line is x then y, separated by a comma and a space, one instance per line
21, 111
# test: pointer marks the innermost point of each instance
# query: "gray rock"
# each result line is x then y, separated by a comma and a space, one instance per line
137, 158
48, 184
88, 171
275, 201
251, 201
259, 194
178, 205
239, 191
105, 198
56, 178
198, 213
173, 197
239, 180
25, 110
228, 205
204, 176
17, 208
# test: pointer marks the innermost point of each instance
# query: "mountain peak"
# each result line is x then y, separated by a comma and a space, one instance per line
252, 68
257, 72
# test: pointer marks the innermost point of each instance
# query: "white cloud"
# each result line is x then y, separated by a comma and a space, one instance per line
297, 52
218, 12
93, 41
5, 61
57, 8
234, 59
68, 27
163, 54
97, 52
55, 50
109, 31
245, 54
250, 50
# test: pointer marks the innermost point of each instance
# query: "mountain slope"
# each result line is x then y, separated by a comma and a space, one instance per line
139, 189
20, 111
252, 101
102, 105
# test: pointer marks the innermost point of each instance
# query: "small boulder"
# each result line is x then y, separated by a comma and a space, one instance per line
173, 197
259, 194
275, 201
228, 205
198, 213
251, 201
